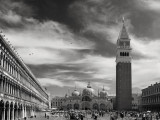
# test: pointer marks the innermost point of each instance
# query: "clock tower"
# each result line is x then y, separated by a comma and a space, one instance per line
123, 71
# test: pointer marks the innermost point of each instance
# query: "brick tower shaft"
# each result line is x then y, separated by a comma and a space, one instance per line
123, 71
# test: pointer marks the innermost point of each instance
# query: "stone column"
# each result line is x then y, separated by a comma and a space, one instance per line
14, 90
17, 113
25, 111
31, 111
3, 114
8, 112
22, 111
1, 89
5, 85
9, 86
12, 114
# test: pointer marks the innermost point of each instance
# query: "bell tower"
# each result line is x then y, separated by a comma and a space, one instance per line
123, 71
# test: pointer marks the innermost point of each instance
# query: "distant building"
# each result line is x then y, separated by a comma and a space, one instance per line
85, 101
57, 102
151, 98
123, 72
136, 102
140, 103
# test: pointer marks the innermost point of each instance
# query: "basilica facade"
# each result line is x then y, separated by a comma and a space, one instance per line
87, 100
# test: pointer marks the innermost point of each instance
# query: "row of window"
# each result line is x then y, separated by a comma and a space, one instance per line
150, 91
56, 104
13, 67
124, 53
10, 88
155, 99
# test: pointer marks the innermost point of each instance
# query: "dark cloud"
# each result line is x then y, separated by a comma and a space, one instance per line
59, 71
142, 22
40, 71
66, 73
103, 46
138, 56
14, 14
56, 10
76, 14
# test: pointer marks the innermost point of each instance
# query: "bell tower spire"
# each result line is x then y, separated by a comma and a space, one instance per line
124, 34
123, 71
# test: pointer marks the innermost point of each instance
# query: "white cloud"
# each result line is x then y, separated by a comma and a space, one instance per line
58, 82
153, 5
48, 34
48, 81
39, 37
11, 17
40, 56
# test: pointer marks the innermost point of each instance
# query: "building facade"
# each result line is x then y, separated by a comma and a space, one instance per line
20, 92
136, 102
123, 71
57, 102
87, 100
151, 98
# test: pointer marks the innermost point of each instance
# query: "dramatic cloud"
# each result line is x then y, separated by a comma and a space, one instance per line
72, 42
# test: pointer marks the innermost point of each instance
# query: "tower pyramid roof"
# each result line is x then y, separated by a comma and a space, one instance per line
123, 34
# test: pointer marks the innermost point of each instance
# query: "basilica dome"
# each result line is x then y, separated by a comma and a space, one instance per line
103, 93
88, 91
75, 93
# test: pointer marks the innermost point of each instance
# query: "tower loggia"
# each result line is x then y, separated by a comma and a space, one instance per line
123, 71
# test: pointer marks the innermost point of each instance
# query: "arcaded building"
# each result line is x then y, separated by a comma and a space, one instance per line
151, 98
88, 100
123, 71
21, 95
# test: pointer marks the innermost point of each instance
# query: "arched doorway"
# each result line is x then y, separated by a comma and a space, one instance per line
86, 106
11, 110
15, 111
7, 110
1, 109
69, 106
95, 106
102, 106
76, 106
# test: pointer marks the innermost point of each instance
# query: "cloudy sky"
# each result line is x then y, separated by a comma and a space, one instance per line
70, 42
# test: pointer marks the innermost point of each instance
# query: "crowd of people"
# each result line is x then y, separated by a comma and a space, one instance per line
80, 115
113, 115
135, 115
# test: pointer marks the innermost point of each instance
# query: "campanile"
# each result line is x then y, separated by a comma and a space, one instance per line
123, 71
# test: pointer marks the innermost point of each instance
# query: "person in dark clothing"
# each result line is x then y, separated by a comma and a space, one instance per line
45, 115
81, 116
121, 115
